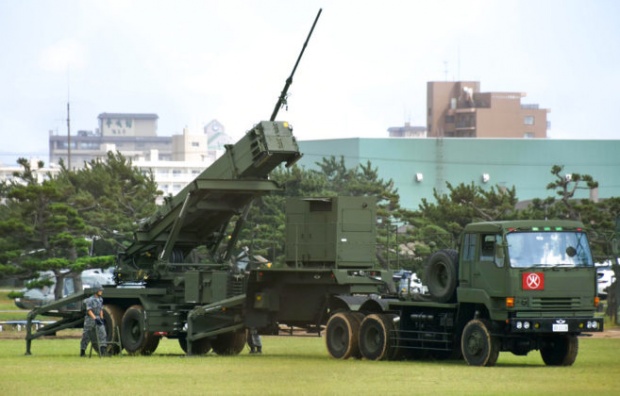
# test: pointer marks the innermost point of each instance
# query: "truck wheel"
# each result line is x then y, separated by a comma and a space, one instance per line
560, 350
136, 340
378, 340
199, 347
342, 335
229, 343
479, 346
441, 275
113, 315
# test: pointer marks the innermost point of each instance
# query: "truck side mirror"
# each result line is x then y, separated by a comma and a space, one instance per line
499, 254
499, 250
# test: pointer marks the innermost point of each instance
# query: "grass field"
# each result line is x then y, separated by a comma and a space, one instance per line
289, 365
8, 310
295, 365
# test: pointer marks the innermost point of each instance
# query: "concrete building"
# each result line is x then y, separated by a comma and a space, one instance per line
216, 135
7, 172
171, 176
128, 124
190, 146
459, 109
134, 135
407, 131
418, 166
175, 160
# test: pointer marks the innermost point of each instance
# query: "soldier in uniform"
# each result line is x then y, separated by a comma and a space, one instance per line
254, 341
94, 322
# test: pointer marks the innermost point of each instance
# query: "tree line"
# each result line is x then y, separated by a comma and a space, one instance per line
80, 219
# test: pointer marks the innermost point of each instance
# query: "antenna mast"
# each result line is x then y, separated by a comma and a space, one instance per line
282, 99
68, 124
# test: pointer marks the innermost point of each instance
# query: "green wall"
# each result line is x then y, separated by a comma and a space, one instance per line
523, 163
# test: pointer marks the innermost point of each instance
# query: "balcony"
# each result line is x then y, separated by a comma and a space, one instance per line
529, 106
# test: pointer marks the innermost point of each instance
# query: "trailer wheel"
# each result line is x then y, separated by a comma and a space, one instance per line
479, 346
229, 343
113, 315
342, 335
560, 350
151, 344
378, 340
136, 340
441, 275
199, 347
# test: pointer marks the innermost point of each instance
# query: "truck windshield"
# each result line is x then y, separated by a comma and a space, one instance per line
548, 249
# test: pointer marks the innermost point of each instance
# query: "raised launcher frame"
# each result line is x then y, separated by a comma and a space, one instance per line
174, 297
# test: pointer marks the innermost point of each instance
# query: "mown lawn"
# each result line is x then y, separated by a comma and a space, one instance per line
8, 309
289, 365
295, 365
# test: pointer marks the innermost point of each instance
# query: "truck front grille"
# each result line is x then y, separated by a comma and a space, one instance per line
560, 303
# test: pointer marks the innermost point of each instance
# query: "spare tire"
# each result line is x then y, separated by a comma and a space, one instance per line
442, 274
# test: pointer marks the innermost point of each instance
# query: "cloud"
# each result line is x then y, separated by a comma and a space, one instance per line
63, 55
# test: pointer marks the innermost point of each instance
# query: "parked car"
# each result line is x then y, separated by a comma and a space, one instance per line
605, 277
409, 283
37, 297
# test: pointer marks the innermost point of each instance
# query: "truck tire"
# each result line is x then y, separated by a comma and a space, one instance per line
479, 346
199, 347
378, 339
113, 315
441, 275
136, 340
560, 350
342, 335
229, 343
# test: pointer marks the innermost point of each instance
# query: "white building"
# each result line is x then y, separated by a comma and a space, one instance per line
174, 160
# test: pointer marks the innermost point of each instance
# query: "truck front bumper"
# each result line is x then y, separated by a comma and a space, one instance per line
556, 325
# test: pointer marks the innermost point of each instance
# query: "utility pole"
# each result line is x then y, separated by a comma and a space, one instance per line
68, 137
68, 124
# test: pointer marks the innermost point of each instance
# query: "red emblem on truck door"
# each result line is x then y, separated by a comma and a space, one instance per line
533, 281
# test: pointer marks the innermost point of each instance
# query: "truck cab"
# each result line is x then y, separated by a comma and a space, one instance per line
520, 269
533, 282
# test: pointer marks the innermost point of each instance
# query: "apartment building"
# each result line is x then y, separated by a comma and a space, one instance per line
175, 160
459, 109
132, 134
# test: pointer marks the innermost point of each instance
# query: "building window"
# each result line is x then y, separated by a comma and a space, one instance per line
528, 120
449, 119
195, 144
529, 135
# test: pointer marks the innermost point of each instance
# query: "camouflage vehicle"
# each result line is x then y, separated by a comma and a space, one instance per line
512, 286
159, 291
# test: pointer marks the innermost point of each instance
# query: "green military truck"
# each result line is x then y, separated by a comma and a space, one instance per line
513, 286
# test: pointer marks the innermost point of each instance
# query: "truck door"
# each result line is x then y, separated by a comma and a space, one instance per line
487, 270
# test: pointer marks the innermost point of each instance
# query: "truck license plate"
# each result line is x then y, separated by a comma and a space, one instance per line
560, 327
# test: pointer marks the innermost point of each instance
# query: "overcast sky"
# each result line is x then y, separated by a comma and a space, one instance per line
364, 70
